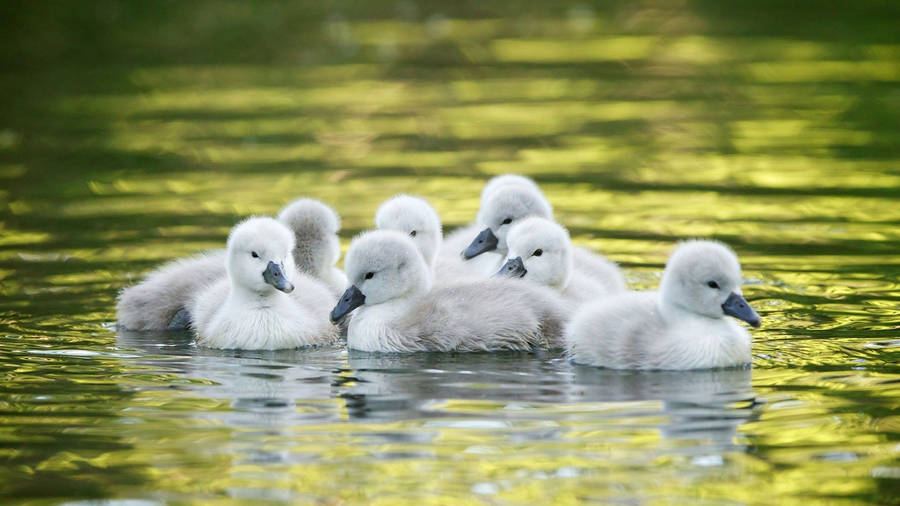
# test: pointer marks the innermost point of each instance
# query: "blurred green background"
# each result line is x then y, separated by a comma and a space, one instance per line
132, 133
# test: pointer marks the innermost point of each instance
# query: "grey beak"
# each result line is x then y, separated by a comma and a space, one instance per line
274, 276
513, 268
351, 300
485, 241
736, 306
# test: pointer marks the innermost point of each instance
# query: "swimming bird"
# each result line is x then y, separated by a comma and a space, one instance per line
396, 309
682, 326
315, 226
513, 198
158, 302
415, 217
458, 240
503, 206
264, 303
540, 250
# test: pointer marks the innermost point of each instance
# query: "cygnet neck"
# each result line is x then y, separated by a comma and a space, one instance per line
243, 295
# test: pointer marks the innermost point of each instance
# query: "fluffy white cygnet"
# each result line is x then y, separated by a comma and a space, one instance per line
683, 326
396, 309
540, 250
458, 240
263, 304
415, 217
503, 206
159, 301
315, 226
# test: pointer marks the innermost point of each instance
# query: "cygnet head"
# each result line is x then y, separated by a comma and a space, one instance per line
416, 218
540, 250
315, 227
259, 256
381, 265
506, 180
505, 206
704, 277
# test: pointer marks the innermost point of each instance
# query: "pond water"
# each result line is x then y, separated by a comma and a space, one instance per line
131, 135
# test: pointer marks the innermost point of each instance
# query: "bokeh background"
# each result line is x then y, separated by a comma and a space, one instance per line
132, 133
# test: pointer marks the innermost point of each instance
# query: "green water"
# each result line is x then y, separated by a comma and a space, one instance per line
134, 133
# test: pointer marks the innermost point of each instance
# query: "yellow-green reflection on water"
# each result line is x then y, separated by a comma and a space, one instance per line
644, 123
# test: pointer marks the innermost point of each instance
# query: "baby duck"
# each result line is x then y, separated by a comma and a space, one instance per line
540, 250
251, 309
398, 311
683, 326
315, 227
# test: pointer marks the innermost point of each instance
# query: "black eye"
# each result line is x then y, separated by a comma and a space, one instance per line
369, 275
507, 221
253, 254
713, 284
412, 234
538, 252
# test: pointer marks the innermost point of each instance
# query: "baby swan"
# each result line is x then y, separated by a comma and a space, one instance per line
683, 326
415, 217
251, 308
457, 241
315, 227
159, 301
398, 311
504, 206
540, 250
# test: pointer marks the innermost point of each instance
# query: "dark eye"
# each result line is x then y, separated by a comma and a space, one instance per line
370, 275
412, 234
713, 284
538, 252
254, 254
507, 221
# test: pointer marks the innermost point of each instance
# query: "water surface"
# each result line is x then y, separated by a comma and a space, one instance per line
131, 135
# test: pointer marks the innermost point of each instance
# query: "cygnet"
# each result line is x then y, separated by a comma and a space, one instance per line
683, 326
159, 301
398, 311
415, 217
540, 250
315, 226
264, 303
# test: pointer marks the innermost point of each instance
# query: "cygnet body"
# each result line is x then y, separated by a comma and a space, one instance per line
396, 309
159, 301
315, 226
540, 251
264, 304
683, 326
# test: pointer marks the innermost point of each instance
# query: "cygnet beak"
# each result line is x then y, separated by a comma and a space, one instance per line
274, 276
351, 300
513, 268
485, 241
736, 306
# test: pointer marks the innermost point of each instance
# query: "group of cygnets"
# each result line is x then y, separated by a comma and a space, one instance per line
512, 280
